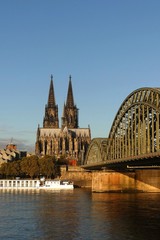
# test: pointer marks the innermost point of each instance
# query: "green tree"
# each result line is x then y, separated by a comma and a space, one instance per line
47, 166
30, 166
15, 168
4, 171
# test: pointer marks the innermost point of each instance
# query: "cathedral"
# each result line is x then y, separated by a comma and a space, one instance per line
68, 140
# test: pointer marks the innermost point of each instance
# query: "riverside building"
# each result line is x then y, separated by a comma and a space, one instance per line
68, 140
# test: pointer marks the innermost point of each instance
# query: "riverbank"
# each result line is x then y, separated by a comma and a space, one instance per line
133, 180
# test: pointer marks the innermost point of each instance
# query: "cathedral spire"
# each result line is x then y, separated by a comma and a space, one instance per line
70, 99
51, 110
63, 118
70, 111
51, 97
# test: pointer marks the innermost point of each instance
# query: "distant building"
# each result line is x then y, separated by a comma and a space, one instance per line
11, 147
10, 153
69, 140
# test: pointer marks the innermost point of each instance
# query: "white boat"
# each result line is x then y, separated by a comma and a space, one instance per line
56, 184
35, 184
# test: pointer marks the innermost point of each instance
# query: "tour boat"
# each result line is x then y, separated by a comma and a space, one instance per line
35, 184
56, 184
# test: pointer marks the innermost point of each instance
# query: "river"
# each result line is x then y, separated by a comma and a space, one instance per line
78, 214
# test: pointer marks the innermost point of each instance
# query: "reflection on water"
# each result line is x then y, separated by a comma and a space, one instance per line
129, 216
78, 214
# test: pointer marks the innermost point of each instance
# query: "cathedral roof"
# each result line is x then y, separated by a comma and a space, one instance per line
56, 132
83, 132
49, 132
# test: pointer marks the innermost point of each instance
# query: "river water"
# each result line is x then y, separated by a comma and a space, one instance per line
78, 214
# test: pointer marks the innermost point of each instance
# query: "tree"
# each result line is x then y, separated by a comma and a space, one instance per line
30, 166
47, 166
4, 170
15, 168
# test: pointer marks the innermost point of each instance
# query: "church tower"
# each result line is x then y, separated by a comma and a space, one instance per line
51, 110
69, 141
70, 111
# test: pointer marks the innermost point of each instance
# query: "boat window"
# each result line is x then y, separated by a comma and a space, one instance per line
18, 183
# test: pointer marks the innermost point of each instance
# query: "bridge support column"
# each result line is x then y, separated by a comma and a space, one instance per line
148, 180
141, 180
110, 181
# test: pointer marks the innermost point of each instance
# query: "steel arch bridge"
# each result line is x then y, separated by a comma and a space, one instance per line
134, 137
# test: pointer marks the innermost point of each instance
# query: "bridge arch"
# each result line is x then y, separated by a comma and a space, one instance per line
96, 151
136, 127
135, 130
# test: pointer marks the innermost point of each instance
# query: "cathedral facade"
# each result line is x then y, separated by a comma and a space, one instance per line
68, 140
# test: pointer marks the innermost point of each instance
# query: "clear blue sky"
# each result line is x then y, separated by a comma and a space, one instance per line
110, 47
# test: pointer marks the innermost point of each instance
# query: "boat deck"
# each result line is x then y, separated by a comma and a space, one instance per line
35, 184
11, 184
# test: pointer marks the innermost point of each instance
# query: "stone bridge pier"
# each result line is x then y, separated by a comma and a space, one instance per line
135, 180
139, 180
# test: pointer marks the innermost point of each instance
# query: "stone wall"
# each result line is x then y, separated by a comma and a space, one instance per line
113, 182
80, 177
141, 180
148, 180
144, 180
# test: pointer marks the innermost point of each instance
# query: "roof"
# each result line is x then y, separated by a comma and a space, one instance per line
8, 154
57, 132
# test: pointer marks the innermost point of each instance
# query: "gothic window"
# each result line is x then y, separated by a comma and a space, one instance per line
66, 144
45, 147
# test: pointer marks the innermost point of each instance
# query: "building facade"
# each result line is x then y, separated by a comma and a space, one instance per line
11, 153
68, 140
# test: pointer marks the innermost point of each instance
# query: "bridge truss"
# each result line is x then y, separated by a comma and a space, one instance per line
135, 132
